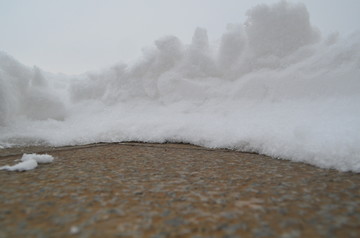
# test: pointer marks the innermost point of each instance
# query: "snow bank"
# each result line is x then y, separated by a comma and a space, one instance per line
272, 85
26, 92
29, 162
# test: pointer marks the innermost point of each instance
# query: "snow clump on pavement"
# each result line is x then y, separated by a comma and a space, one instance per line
29, 162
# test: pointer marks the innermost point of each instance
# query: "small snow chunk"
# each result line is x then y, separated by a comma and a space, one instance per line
41, 159
74, 230
29, 162
22, 166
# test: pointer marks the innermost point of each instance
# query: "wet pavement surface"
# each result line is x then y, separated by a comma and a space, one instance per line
174, 190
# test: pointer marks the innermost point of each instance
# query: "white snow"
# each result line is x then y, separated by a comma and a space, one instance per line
29, 162
22, 166
74, 230
41, 159
273, 85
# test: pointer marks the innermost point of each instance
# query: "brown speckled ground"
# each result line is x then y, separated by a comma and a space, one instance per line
174, 190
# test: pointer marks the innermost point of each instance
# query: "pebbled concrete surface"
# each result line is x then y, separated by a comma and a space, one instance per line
174, 190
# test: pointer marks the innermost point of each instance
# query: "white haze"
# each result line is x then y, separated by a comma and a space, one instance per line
273, 85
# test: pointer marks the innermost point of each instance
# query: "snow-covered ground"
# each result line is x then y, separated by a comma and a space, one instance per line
273, 85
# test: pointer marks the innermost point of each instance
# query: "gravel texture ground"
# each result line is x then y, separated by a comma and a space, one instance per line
174, 190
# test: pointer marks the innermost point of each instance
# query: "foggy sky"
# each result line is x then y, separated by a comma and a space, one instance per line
73, 36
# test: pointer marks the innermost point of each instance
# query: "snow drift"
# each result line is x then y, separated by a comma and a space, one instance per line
272, 85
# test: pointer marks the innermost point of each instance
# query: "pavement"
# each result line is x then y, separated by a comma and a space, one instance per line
174, 190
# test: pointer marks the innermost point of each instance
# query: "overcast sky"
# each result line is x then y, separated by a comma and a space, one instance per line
73, 36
